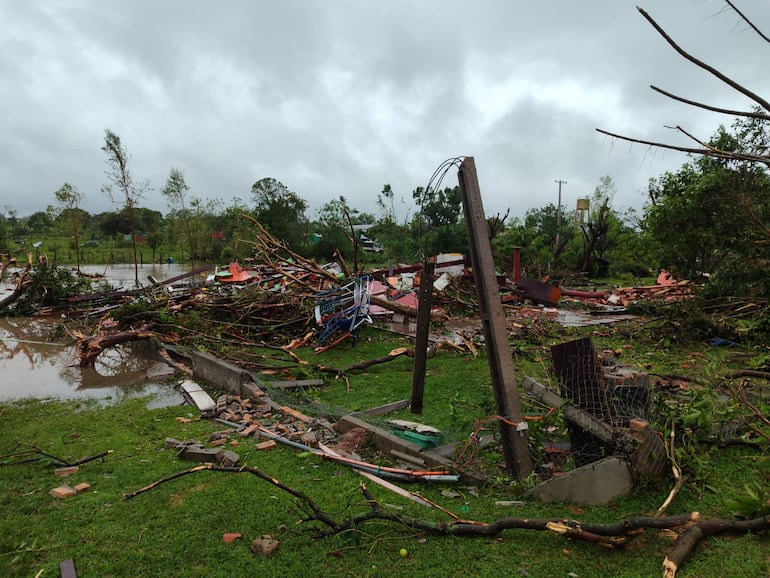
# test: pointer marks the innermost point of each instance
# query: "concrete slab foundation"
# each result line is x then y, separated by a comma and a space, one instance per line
595, 484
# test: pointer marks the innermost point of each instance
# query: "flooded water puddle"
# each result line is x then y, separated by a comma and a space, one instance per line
38, 359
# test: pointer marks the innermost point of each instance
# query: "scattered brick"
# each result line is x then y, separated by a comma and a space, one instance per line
310, 439
230, 537
201, 455
62, 472
228, 458
172, 443
247, 431
62, 492
82, 487
218, 442
265, 445
296, 414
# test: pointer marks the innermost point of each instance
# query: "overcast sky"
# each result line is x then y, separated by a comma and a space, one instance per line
338, 97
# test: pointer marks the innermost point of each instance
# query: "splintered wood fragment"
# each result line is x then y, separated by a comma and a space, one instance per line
469, 344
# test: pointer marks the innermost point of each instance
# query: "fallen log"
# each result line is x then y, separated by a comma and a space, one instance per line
91, 347
404, 309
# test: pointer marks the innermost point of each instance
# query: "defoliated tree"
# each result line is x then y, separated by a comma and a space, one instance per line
279, 210
121, 188
175, 193
598, 225
385, 204
69, 198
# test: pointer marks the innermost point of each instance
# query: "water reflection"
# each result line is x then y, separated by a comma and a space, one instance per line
38, 359
118, 276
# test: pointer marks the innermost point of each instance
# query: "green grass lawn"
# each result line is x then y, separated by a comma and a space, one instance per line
176, 529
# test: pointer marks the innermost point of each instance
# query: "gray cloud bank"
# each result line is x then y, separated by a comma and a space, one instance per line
338, 97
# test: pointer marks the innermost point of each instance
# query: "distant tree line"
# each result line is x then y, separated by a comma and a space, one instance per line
708, 220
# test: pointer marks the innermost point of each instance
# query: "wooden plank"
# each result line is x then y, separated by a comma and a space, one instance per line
425, 304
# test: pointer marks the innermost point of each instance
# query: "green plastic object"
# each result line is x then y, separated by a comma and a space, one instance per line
424, 441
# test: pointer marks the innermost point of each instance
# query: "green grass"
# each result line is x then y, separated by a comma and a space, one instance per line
176, 529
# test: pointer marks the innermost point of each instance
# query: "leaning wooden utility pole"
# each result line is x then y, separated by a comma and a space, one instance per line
513, 428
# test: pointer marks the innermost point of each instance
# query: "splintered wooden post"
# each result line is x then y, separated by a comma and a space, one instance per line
514, 433
424, 306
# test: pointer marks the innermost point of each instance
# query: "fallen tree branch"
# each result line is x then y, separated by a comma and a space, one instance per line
35, 454
748, 373
92, 346
404, 309
612, 534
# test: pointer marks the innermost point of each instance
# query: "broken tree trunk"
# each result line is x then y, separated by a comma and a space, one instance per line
24, 283
91, 347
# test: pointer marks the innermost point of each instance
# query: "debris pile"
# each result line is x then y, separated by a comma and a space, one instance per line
262, 418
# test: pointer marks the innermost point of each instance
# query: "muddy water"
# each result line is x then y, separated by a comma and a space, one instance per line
37, 360
37, 357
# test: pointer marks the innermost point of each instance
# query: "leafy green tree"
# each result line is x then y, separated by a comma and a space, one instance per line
334, 226
4, 234
121, 185
711, 217
439, 207
236, 230
68, 198
112, 223
280, 211
439, 222
536, 236
39, 222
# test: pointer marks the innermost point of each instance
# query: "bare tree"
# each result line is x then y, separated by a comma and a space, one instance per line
760, 113
68, 198
175, 192
120, 179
